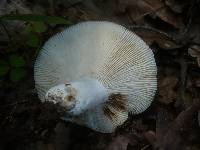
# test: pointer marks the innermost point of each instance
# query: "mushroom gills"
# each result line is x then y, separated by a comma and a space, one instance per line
120, 61
103, 119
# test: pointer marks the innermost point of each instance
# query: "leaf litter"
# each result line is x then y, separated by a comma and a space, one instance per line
171, 28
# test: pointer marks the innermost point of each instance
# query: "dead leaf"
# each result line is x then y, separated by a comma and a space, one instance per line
181, 124
121, 142
140, 8
192, 83
150, 35
194, 51
197, 83
170, 17
188, 99
151, 137
166, 89
137, 9
169, 134
61, 137
176, 6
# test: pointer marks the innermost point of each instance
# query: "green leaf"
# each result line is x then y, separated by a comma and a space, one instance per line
17, 61
17, 74
4, 67
36, 18
28, 29
33, 40
39, 27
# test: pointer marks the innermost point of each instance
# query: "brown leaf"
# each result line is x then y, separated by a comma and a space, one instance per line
197, 83
166, 89
61, 137
151, 137
140, 8
121, 142
169, 134
193, 82
176, 6
150, 36
194, 51
170, 17
188, 99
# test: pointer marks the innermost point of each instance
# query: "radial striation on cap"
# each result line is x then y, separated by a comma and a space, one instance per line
120, 60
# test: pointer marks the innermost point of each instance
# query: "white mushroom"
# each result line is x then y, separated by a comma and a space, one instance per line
98, 72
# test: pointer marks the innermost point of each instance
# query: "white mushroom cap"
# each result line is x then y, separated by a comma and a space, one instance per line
109, 53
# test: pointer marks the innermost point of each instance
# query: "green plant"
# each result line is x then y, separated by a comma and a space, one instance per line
14, 66
31, 38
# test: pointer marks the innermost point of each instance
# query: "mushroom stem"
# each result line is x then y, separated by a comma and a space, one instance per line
78, 96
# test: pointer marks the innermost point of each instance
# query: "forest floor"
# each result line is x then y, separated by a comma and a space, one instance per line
170, 27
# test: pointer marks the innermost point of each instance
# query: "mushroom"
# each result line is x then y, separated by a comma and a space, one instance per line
98, 72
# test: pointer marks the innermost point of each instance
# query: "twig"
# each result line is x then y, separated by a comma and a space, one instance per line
145, 147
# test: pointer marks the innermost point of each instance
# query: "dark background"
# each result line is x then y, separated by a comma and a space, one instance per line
170, 27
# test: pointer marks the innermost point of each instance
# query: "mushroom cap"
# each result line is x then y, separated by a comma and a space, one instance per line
120, 60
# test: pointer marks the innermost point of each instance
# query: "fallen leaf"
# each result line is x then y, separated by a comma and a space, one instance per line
151, 137
61, 137
197, 83
173, 138
194, 51
169, 131
188, 99
176, 6
166, 89
170, 17
140, 8
150, 35
121, 142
